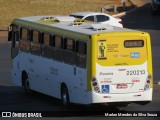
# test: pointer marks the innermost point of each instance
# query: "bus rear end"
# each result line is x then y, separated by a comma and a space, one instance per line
121, 68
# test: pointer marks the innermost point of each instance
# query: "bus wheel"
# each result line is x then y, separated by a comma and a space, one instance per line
65, 95
27, 86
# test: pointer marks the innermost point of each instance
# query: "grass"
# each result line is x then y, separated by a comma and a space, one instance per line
11, 9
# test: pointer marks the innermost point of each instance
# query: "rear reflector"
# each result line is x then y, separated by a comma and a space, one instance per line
137, 95
106, 96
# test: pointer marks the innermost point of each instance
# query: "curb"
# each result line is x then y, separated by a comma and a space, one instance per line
3, 30
124, 13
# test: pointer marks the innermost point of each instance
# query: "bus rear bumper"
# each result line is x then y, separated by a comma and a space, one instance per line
126, 97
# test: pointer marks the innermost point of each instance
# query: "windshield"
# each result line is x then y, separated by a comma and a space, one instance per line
77, 16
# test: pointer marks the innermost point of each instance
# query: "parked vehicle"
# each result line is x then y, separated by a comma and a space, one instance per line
155, 7
99, 18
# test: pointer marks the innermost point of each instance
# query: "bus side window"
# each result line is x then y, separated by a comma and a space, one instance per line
25, 34
57, 53
25, 39
52, 42
15, 40
81, 50
46, 46
69, 51
15, 36
35, 43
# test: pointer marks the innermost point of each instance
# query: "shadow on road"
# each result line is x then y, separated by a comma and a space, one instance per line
142, 18
13, 98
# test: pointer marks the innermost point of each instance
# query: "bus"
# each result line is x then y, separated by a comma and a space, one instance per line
81, 62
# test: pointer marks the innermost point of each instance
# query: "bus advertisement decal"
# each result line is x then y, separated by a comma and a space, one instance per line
134, 55
122, 86
102, 49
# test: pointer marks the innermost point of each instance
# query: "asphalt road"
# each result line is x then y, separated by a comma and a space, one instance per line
13, 98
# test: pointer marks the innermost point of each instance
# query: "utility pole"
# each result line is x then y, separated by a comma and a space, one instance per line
124, 4
115, 8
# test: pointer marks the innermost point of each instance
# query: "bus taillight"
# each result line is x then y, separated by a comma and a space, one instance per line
147, 84
95, 85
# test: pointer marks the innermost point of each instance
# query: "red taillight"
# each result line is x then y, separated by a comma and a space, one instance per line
148, 81
147, 84
95, 85
121, 22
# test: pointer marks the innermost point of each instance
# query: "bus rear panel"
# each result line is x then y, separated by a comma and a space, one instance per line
121, 68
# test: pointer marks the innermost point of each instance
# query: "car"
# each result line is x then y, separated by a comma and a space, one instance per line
155, 7
98, 18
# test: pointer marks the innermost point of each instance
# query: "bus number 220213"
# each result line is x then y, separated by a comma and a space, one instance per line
136, 72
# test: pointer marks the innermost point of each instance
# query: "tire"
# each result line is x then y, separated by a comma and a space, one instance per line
65, 96
27, 86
